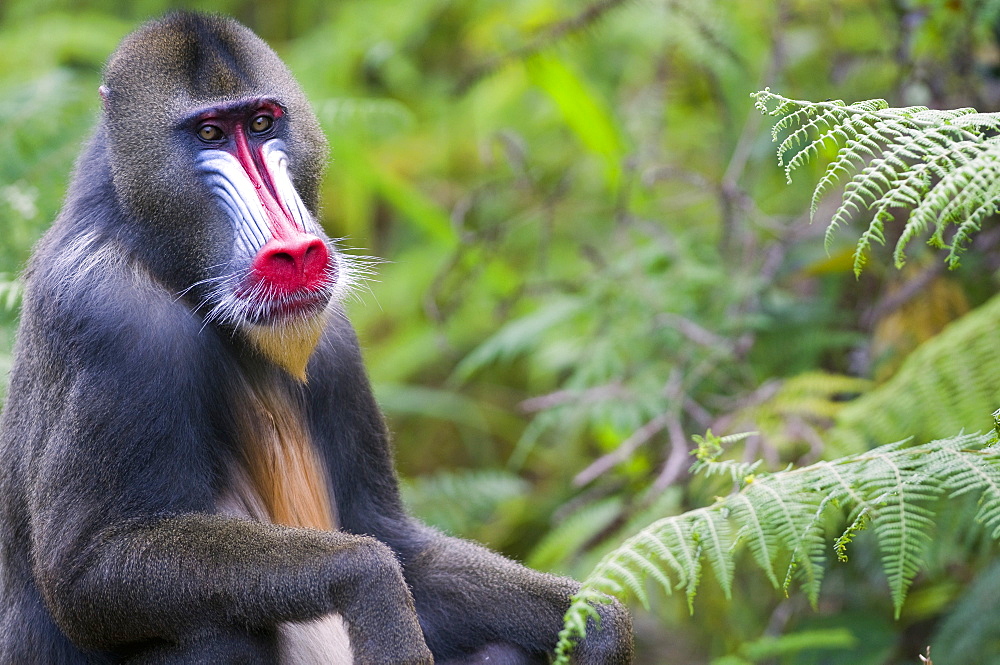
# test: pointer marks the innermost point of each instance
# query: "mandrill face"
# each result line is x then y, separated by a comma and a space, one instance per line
281, 268
224, 161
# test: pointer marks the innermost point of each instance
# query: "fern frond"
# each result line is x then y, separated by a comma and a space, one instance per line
649, 567
659, 550
939, 164
738, 472
561, 543
677, 536
901, 521
978, 473
710, 447
459, 502
714, 533
762, 542
847, 537
891, 490
935, 392
790, 511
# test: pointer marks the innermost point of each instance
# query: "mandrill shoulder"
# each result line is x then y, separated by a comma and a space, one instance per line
101, 311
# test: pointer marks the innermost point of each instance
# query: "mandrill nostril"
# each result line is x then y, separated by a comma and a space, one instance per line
290, 264
315, 257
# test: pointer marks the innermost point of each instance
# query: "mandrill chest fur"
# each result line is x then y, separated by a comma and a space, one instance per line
276, 475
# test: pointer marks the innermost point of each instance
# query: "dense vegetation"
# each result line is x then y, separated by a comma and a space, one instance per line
593, 256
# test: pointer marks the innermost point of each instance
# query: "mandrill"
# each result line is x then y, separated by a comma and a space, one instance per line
192, 466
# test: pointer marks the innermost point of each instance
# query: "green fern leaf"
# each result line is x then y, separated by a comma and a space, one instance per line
790, 512
977, 473
715, 536
619, 570
646, 565
680, 538
651, 544
762, 542
893, 490
900, 520
936, 390
939, 164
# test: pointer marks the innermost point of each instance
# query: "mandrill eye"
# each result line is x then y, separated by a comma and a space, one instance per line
261, 124
210, 133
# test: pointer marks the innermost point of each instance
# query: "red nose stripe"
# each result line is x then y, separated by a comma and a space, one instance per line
278, 216
292, 263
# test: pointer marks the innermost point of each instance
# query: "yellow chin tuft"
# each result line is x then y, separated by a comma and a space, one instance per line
289, 345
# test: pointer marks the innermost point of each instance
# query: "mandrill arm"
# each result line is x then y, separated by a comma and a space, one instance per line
468, 597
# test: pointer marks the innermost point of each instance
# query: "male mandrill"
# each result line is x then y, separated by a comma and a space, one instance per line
192, 466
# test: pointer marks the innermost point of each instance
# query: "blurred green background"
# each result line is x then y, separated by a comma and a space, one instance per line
591, 255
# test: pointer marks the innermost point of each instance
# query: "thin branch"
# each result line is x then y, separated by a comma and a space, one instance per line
551, 400
605, 463
678, 461
693, 331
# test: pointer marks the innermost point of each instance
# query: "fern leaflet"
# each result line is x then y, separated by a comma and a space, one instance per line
940, 166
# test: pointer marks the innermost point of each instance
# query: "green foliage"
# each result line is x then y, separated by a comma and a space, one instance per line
970, 633
940, 166
936, 392
573, 533
783, 519
590, 255
583, 111
461, 503
10, 300
770, 647
10, 292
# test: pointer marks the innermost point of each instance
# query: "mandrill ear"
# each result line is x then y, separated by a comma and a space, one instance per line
104, 93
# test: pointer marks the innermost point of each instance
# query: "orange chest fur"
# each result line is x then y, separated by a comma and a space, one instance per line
279, 475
